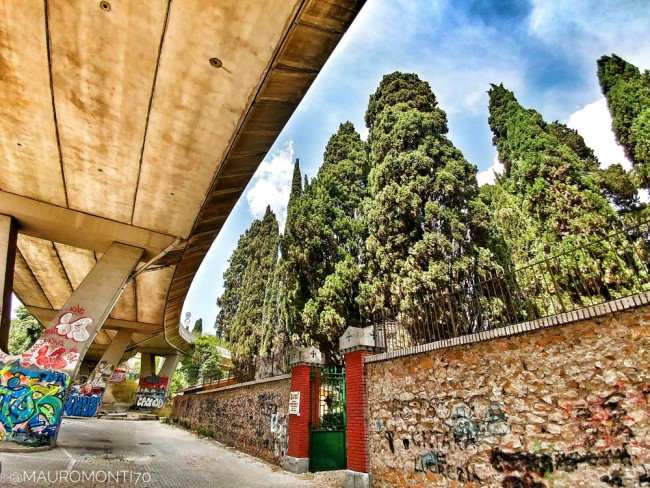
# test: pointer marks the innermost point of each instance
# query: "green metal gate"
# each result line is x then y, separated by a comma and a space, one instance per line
327, 419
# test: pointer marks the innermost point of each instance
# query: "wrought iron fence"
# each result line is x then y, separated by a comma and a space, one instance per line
594, 271
256, 368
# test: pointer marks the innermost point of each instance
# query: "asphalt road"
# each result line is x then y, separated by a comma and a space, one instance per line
120, 453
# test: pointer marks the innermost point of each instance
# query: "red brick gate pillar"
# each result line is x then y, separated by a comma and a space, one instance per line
302, 359
355, 345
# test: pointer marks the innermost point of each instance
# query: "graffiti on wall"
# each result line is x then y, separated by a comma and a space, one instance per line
450, 431
467, 431
118, 376
84, 400
151, 392
32, 403
254, 421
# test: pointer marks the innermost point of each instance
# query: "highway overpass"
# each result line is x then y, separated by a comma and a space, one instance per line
128, 130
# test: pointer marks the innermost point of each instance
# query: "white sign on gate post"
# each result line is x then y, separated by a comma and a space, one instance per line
294, 403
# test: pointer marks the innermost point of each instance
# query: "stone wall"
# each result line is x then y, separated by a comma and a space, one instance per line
564, 406
251, 417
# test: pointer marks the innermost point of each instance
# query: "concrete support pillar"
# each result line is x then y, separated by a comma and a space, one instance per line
355, 345
56, 356
84, 400
169, 366
8, 238
302, 360
154, 388
147, 365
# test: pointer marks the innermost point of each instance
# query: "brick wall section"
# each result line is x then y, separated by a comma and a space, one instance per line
355, 412
252, 418
562, 406
299, 424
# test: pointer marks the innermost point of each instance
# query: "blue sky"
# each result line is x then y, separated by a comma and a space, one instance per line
543, 50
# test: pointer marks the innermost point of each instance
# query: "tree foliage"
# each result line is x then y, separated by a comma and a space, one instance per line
627, 91
24, 331
240, 321
198, 327
204, 364
421, 197
548, 178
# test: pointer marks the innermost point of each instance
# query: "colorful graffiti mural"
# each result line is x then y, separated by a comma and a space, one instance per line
34, 384
84, 400
32, 403
151, 392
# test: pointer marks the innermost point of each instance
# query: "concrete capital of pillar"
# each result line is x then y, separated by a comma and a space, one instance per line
357, 339
305, 356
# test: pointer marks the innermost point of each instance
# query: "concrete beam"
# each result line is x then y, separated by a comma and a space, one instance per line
45, 315
58, 224
8, 238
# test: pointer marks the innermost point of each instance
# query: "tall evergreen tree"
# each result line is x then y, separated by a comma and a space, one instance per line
198, 327
333, 237
292, 288
550, 190
246, 334
549, 180
240, 320
421, 239
618, 185
627, 91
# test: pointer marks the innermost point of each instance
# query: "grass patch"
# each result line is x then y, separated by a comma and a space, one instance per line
124, 392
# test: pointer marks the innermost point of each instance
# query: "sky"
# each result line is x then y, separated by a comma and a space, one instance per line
543, 50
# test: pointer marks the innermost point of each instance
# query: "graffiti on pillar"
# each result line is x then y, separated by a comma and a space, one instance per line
74, 329
84, 400
151, 392
56, 349
118, 376
32, 403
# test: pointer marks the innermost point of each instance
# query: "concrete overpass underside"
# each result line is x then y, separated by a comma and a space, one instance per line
137, 124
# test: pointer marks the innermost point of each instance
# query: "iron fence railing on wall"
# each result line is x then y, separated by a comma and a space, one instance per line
594, 271
256, 368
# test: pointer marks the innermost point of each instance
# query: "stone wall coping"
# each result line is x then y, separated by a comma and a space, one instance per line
593, 311
243, 385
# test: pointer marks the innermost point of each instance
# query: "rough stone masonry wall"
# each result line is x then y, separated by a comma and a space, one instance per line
252, 417
560, 407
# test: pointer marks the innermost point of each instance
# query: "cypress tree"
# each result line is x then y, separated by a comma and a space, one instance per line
292, 267
420, 207
627, 91
333, 240
548, 179
549, 189
198, 327
618, 185
241, 318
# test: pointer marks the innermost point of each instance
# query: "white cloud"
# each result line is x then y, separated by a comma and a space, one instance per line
594, 123
271, 185
596, 26
488, 176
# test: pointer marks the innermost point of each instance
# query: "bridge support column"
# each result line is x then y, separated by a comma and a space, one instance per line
8, 239
35, 384
84, 400
355, 345
153, 388
301, 360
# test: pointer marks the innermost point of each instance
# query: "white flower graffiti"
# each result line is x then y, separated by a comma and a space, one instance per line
74, 330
